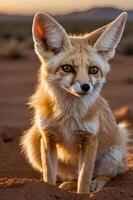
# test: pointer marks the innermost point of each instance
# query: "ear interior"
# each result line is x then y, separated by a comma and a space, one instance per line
110, 38
38, 29
48, 34
93, 36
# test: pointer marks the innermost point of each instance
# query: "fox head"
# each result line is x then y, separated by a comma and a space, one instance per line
76, 65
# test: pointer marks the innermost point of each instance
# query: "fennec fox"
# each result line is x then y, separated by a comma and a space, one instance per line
72, 122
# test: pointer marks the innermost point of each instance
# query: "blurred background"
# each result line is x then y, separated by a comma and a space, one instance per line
19, 64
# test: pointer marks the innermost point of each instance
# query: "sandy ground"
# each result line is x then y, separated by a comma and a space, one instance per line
17, 179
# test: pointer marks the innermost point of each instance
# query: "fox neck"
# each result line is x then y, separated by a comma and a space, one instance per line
65, 103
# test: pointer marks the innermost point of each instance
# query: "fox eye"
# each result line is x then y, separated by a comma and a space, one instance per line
68, 68
93, 70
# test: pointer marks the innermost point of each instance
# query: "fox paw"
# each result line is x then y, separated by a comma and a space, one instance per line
98, 183
69, 186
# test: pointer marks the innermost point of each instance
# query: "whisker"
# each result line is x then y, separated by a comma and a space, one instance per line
100, 83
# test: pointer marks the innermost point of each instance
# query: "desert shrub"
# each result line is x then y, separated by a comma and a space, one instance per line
29, 43
16, 30
5, 35
128, 48
129, 80
20, 37
12, 50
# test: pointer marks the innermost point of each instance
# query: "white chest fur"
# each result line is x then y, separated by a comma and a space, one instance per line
73, 128
70, 125
68, 118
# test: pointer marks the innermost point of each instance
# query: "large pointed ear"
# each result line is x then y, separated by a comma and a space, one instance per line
110, 36
48, 35
93, 36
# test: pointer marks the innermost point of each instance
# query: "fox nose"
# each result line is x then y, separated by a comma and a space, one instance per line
85, 87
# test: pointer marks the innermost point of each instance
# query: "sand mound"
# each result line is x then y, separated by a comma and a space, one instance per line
31, 189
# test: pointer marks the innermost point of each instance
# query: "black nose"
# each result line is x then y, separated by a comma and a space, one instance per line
85, 87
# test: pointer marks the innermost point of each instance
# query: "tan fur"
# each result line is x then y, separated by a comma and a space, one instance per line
78, 129
32, 151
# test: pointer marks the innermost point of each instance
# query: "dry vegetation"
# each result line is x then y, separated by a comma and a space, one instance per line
15, 37
12, 50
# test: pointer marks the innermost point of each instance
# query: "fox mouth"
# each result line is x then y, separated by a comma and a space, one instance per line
78, 94
82, 93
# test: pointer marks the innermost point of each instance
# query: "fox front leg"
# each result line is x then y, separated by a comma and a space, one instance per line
87, 159
49, 160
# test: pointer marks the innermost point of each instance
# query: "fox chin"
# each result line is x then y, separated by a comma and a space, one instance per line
72, 122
